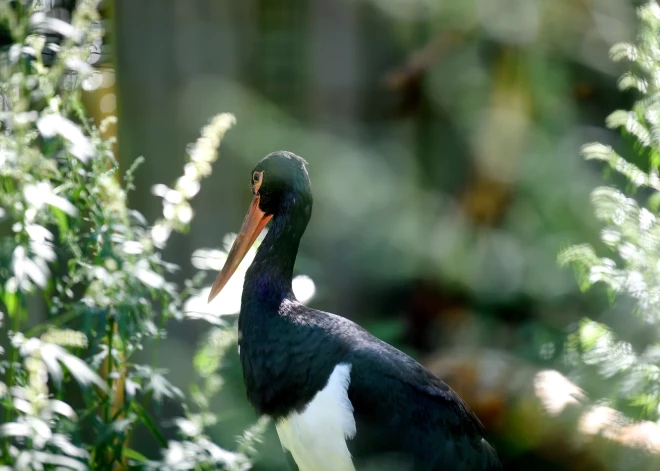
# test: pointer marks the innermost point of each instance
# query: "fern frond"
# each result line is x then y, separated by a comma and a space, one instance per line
632, 231
582, 254
622, 51
649, 14
597, 151
630, 122
630, 80
614, 207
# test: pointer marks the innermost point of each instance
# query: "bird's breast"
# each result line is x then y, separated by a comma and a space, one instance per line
284, 365
316, 437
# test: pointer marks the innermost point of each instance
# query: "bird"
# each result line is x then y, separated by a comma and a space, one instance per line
341, 399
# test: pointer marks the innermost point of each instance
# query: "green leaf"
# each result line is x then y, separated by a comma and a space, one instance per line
590, 332
62, 222
654, 202
11, 302
134, 455
146, 419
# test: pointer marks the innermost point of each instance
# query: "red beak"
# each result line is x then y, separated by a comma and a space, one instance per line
255, 220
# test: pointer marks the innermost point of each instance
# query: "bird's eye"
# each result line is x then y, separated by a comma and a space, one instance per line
256, 177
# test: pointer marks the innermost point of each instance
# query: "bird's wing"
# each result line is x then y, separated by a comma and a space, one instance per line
400, 408
402, 404
377, 362
411, 379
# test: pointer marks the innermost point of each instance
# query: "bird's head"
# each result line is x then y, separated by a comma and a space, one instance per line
280, 183
279, 180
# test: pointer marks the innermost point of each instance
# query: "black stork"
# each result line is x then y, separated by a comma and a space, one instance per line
341, 399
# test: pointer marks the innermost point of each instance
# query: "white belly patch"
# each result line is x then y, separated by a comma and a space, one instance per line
317, 437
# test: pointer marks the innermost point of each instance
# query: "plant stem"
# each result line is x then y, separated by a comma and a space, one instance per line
55, 321
13, 359
109, 367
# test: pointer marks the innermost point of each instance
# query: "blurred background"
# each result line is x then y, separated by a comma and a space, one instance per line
443, 143
443, 139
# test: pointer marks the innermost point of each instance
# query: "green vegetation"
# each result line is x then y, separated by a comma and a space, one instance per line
623, 356
76, 385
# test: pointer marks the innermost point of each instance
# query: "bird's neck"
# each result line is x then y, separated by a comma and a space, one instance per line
268, 280
264, 331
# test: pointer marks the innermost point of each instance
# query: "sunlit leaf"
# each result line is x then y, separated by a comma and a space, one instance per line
591, 332
63, 443
629, 80
148, 276
11, 302
54, 124
161, 387
78, 368
187, 427
43, 193
61, 408
54, 369
14, 429
134, 455
43, 23
42, 432
59, 460
623, 51
616, 162
25, 268
631, 123
131, 388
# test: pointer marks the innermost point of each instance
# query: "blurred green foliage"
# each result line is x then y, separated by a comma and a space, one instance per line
626, 365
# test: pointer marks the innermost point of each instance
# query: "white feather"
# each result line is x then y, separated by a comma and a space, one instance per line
317, 437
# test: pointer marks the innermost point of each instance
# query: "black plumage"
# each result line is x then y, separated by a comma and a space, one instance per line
406, 418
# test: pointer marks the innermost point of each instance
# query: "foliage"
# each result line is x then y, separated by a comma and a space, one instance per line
69, 242
630, 369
